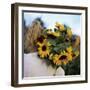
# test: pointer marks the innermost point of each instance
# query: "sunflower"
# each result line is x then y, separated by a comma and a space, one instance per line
41, 40
55, 34
51, 56
69, 33
69, 49
60, 26
44, 50
63, 57
75, 54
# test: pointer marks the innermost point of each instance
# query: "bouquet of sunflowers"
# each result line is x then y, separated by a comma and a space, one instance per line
57, 46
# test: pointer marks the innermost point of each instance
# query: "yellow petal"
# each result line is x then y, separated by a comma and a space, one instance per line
69, 33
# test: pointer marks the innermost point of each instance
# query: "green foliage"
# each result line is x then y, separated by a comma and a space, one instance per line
73, 68
62, 52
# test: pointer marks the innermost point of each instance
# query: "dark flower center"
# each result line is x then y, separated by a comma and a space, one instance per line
73, 55
40, 39
66, 39
44, 48
51, 36
63, 57
58, 26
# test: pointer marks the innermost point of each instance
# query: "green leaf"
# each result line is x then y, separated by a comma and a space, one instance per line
56, 49
60, 39
52, 42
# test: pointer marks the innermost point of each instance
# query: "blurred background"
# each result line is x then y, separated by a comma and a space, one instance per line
49, 19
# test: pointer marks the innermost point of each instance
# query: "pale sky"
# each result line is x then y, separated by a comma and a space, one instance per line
74, 21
